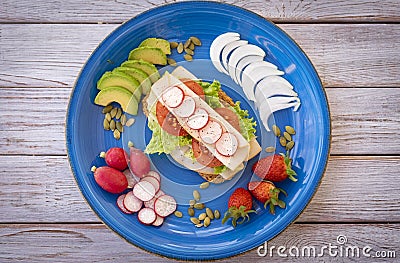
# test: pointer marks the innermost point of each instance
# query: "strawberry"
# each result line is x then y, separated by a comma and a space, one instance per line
239, 206
266, 192
275, 168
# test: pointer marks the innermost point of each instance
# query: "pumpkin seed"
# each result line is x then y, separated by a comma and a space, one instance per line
119, 126
130, 122
276, 130
196, 195
117, 134
107, 109
204, 185
187, 43
289, 145
270, 149
108, 117
93, 169
189, 51
119, 113
199, 225
113, 112
112, 125
123, 119
130, 144
106, 124
290, 130
199, 206
191, 46
282, 141
188, 57
202, 216
180, 48
192, 202
102, 155
207, 222
217, 214
173, 44
190, 211
195, 220
195, 41
209, 213
171, 62
178, 214
287, 136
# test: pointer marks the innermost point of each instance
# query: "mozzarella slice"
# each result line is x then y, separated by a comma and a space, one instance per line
228, 49
243, 63
275, 104
218, 45
273, 86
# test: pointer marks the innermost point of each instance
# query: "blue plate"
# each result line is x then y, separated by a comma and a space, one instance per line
177, 237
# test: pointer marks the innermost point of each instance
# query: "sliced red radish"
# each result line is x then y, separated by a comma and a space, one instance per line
211, 132
165, 205
155, 175
120, 204
227, 144
151, 202
159, 221
147, 216
132, 203
198, 120
131, 178
186, 108
173, 97
144, 190
153, 181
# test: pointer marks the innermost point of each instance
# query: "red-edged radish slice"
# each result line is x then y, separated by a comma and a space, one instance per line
144, 190
186, 108
120, 204
243, 63
227, 144
211, 132
155, 175
228, 50
218, 45
132, 203
159, 221
198, 120
165, 205
173, 97
131, 178
151, 202
147, 216
153, 181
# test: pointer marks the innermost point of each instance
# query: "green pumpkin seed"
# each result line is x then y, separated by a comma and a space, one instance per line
199, 225
93, 169
195, 220
290, 130
119, 126
130, 122
107, 109
195, 41
209, 213
188, 57
207, 222
282, 141
123, 119
199, 206
178, 214
189, 51
117, 134
289, 145
173, 44
171, 62
270, 149
276, 130
108, 117
287, 136
112, 125
196, 195
113, 112
119, 113
202, 216
204, 185
187, 43
130, 144
190, 211
102, 155
191, 46
106, 124
217, 214
180, 48
192, 202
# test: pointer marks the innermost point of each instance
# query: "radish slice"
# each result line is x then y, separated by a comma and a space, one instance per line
131, 178
144, 190
155, 175
218, 45
227, 144
211, 132
132, 203
228, 50
198, 120
120, 204
153, 181
165, 205
243, 63
173, 97
241, 52
186, 108
159, 221
147, 216
151, 202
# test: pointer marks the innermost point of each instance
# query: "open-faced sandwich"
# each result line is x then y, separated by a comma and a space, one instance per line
199, 126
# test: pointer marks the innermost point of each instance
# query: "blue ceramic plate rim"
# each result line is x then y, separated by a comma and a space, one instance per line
310, 189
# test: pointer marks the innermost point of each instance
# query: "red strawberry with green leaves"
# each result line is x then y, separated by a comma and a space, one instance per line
275, 168
266, 192
239, 206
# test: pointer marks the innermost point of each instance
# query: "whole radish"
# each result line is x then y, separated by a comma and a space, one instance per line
139, 163
116, 158
110, 179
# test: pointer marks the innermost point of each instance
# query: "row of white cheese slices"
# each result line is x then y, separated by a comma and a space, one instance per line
260, 80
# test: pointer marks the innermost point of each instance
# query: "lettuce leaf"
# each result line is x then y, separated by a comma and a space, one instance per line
247, 125
211, 92
220, 169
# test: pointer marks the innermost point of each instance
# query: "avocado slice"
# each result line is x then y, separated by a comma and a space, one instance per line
147, 67
120, 79
157, 42
124, 97
139, 75
150, 54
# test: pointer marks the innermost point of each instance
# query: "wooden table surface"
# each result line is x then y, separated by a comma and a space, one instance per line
354, 46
